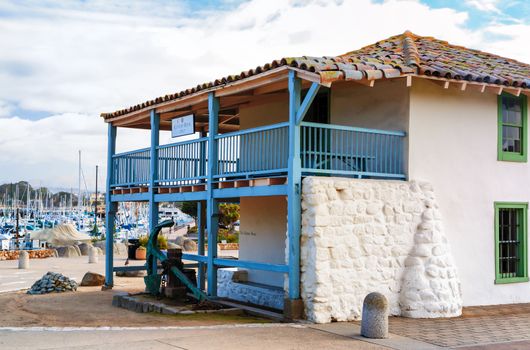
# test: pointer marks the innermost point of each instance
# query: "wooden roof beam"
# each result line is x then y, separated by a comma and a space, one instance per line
514, 91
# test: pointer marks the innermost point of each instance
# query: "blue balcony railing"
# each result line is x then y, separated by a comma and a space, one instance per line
252, 152
324, 150
182, 163
131, 168
343, 150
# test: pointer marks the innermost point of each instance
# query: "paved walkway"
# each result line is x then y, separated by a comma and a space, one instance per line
484, 328
478, 325
256, 337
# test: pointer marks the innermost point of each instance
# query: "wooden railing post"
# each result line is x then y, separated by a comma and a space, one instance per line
212, 209
153, 173
110, 208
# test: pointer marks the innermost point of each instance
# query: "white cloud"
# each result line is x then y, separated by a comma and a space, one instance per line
75, 61
5, 109
484, 5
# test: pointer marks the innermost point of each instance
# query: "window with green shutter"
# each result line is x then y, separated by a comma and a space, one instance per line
511, 242
512, 128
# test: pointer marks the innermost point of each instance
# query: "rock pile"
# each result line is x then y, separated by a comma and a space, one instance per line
53, 282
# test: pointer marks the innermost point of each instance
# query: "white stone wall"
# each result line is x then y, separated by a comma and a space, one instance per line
361, 236
232, 283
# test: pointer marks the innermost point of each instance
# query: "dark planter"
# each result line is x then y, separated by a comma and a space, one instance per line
131, 249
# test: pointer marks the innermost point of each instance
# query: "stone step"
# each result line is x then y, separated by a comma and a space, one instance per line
252, 310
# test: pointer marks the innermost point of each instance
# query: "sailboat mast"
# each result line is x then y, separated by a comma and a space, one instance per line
96, 203
79, 183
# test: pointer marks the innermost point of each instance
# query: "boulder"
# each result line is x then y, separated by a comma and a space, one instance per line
171, 245
189, 245
100, 245
180, 240
77, 249
85, 248
120, 249
67, 252
91, 279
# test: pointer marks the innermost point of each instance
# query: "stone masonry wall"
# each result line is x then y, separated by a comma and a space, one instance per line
33, 254
361, 236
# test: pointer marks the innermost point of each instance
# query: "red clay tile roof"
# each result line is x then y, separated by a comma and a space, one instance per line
396, 56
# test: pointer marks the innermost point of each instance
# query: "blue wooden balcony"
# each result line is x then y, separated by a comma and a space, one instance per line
226, 165
328, 150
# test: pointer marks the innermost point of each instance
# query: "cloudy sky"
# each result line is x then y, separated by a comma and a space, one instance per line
62, 63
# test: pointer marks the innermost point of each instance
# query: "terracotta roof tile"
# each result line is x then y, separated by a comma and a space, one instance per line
398, 55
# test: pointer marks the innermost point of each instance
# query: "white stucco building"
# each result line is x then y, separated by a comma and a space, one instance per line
404, 173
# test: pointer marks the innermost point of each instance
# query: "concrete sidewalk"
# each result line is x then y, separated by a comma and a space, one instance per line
266, 337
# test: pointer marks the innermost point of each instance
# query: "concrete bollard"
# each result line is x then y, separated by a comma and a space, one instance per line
23, 260
374, 323
93, 257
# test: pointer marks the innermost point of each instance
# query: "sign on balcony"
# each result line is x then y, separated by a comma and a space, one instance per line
183, 126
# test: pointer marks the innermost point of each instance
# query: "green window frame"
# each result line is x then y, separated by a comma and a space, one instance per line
511, 237
512, 142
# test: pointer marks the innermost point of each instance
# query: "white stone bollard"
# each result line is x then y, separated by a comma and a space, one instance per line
23, 260
93, 257
374, 323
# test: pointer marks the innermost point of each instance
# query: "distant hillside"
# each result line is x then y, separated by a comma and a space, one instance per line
9, 191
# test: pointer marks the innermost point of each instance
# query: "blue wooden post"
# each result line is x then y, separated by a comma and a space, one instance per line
110, 209
212, 209
153, 173
294, 187
201, 216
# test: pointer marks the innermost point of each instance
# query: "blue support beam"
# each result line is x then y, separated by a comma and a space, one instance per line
252, 265
212, 208
110, 209
195, 257
294, 181
181, 197
308, 99
258, 191
143, 267
130, 197
153, 173
201, 216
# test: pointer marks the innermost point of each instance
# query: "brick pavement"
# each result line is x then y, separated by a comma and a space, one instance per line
477, 326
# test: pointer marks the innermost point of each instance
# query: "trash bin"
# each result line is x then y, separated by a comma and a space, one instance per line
134, 243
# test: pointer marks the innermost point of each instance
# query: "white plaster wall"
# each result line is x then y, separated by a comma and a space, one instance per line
453, 145
263, 219
262, 235
383, 106
361, 236
266, 111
